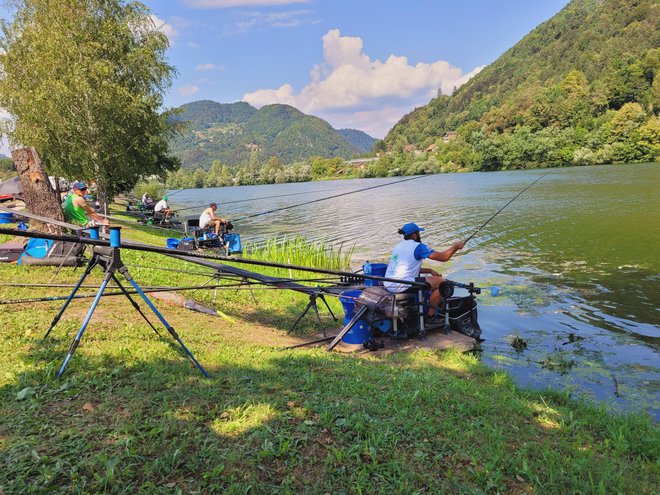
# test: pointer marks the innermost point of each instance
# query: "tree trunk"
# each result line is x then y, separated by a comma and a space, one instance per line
102, 196
38, 193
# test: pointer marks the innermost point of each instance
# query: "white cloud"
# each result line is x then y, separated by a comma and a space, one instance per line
205, 67
164, 27
349, 87
223, 4
188, 90
257, 20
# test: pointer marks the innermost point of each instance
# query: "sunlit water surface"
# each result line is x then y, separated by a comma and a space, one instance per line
576, 258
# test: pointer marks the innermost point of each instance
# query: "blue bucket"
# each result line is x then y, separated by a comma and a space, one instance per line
172, 243
377, 270
361, 331
233, 242
6, 217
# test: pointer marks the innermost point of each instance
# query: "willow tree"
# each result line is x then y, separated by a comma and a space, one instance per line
83, 82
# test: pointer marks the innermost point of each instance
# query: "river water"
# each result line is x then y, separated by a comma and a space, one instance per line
576, 259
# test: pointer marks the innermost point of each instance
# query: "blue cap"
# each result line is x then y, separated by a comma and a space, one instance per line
79, 185
410, 228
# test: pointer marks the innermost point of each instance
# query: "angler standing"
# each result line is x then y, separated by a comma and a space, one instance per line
406, 264
208, 217
76, 209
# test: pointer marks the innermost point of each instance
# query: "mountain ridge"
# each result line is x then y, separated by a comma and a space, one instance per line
236, 133
571, 75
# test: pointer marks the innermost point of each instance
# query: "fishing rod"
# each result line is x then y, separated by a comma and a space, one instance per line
500, 210
326, 198
198, 257
150, 290
133, 223
255, 199
175, 192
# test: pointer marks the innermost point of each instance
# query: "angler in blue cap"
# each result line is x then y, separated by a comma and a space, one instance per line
406, 263
76, 209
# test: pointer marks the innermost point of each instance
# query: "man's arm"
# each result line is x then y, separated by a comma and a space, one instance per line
213, 217
447, 253
78, 201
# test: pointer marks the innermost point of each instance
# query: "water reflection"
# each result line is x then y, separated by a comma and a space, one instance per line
578, 253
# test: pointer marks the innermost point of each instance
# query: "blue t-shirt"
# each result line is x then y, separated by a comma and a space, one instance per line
422, 251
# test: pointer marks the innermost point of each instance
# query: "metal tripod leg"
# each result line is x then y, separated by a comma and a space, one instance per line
347, 328
169, 328
310, 304
76, 341
322, 297
135, 305
422, 330
245, 281
90, 266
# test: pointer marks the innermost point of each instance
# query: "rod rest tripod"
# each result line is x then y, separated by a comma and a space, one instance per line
109, 258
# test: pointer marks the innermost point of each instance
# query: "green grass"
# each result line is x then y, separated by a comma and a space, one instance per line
132, 415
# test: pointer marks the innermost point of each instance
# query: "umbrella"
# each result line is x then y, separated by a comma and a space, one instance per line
11, 186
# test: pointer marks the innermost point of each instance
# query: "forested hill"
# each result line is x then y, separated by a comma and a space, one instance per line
582, 87
237, 133
361, 140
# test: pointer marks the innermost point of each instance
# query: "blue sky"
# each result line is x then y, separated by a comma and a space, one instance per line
359, 64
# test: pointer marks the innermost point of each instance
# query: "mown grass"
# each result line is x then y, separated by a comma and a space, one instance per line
132, 415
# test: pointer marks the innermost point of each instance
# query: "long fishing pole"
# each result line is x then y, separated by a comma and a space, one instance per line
324, 199
500, 210
254, 199
199, 258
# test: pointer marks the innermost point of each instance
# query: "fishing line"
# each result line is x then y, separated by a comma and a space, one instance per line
498, 212
326, 198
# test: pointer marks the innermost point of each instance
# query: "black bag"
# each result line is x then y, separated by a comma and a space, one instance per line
463, 316
186, 245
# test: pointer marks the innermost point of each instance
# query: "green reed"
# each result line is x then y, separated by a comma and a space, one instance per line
299, 251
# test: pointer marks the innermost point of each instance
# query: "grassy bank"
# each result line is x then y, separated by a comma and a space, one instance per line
132, 415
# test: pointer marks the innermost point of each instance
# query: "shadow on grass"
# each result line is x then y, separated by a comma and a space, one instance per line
131, 416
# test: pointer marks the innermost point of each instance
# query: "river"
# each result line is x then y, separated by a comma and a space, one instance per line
576, 259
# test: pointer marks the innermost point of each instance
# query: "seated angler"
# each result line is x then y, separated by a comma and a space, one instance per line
147, 202
76, 209
208, 218
162, 209
406, 264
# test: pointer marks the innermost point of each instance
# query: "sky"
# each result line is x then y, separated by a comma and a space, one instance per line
359, 64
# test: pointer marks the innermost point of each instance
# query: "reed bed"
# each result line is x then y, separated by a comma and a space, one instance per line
300, 251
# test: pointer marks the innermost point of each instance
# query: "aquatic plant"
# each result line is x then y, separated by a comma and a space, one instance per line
300, 251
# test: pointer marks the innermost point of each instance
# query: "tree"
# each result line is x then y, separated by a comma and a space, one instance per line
38, 194
83, 81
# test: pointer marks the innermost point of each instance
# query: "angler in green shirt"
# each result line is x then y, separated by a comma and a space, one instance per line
77, 211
